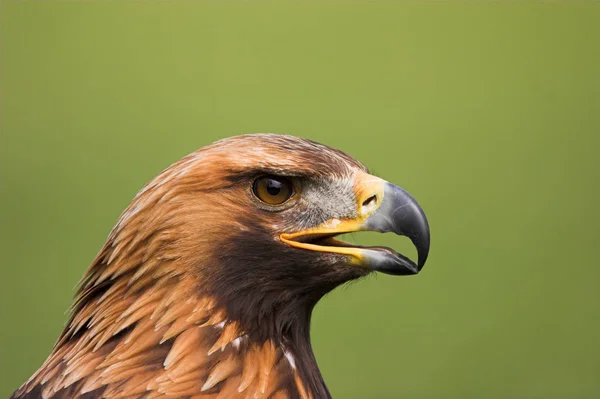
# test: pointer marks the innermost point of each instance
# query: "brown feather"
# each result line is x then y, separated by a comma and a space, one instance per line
165, 311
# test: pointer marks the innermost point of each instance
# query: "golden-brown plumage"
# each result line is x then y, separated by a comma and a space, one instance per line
175, 305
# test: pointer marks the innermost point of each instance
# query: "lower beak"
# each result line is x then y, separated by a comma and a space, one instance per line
396, 212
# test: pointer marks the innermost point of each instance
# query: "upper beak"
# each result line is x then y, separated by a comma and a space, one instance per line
382, 207
399, 213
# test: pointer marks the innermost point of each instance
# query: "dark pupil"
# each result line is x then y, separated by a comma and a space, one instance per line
273, 187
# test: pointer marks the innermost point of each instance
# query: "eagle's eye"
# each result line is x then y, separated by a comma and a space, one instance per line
273, 190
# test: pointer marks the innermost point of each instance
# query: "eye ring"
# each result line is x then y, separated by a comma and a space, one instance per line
273, 190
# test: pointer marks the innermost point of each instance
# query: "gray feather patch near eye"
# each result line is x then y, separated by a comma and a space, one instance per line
326, 199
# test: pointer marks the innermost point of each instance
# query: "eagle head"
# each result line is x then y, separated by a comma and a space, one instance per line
214, 268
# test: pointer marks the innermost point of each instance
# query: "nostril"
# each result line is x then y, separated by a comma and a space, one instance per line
369, 203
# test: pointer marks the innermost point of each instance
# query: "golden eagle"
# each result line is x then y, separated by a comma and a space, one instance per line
206, 284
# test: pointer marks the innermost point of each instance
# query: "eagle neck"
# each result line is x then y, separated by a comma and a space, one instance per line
298, 349
285, 321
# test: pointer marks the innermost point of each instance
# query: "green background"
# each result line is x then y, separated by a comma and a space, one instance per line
488, 113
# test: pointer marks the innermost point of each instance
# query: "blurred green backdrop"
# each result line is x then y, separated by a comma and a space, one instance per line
488, 113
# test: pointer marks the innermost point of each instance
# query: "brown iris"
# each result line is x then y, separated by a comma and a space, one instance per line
273, 190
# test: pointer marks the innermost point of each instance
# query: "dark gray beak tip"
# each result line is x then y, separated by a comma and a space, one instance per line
422, 243
400, 213
408, 219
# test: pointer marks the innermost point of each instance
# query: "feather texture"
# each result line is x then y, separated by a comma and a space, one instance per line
191, 296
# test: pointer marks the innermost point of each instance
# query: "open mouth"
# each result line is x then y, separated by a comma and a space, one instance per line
379, 258
329, 240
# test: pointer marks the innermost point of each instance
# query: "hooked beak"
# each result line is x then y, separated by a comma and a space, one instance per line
382, 207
